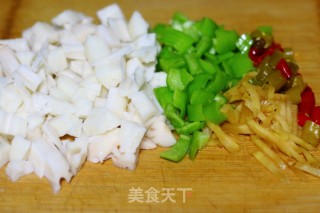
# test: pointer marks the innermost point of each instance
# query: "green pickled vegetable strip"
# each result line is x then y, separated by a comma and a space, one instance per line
199, 141
174, 38
179, 150
265, 29
244, 43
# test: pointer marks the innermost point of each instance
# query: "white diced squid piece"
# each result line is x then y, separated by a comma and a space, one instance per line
5, 148
12, 125
96, 48
76, 153
16, 44
8, 60
144, 105
99, 121
28, 77
112, 11
100, 146
57, 60
110, 71
70, 17
137, 25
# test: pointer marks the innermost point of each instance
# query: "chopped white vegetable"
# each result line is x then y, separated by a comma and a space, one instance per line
137, 25
57, 60
8, 60
99, 121
69, 17
144, 106
16, 44
112, 11
20, 148
73, 90
100, 146
18, 168
125, 154
13, 125
110, 72
76, 153
30, 79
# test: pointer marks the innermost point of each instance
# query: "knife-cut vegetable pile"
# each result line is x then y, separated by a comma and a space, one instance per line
73, 90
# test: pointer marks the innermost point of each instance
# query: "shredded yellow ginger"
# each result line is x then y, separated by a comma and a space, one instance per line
270, 120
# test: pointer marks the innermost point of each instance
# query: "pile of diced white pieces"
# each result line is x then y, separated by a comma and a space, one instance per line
91, 82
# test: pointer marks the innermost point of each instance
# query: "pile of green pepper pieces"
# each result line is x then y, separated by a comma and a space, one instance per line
202, 60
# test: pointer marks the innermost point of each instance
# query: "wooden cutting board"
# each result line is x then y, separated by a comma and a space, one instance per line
216, 181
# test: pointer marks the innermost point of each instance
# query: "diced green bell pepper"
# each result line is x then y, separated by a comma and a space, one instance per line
179, 150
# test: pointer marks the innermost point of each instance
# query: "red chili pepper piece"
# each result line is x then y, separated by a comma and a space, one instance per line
256, 56
302, 118
316, 115
308, 101
284, 68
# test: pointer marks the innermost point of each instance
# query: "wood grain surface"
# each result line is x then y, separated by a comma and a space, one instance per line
220, 182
